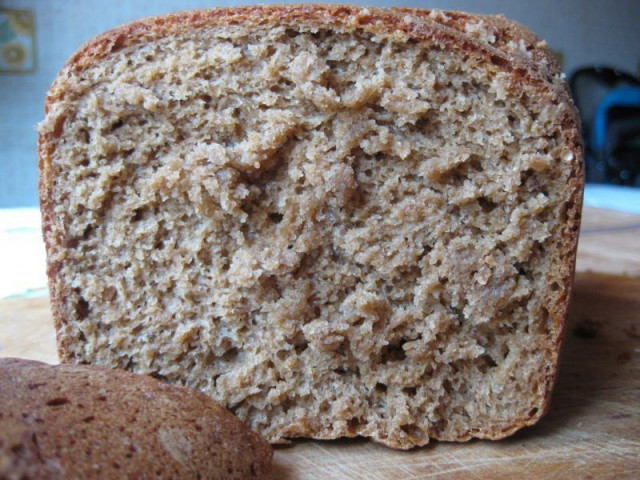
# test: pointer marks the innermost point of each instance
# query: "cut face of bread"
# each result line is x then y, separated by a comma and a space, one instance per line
334, 221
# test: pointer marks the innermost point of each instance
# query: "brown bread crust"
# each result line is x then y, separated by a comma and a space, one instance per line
80, 421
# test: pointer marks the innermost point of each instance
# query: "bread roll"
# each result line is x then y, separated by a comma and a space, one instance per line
82, 421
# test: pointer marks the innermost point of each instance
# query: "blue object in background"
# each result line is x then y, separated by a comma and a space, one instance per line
607, 99
616, 137
620, 97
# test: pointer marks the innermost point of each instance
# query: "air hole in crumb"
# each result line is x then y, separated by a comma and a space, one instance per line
300, 348
499, 61
410, 177
354, 423
138, 215
533, 411
475, 163
381, 388
88, 230
525, 176
411, 429
555, 287
426, 250
286, 405
489, 361
393, 352
422, 123
102, 398
73, 243
89, 419
230, 355
358, 322
520, 269
411, 391
117, 125
58, 401
446, 384
275, 217
487, 205
82, 309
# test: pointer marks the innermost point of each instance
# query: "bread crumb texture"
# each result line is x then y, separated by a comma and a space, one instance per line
332, 227
88, 422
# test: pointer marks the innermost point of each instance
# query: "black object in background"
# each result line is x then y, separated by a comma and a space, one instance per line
609, 105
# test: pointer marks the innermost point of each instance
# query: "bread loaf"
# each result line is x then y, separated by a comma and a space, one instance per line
80, 421
335, 221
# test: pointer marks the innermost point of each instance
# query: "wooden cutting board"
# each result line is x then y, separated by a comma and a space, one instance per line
591, 431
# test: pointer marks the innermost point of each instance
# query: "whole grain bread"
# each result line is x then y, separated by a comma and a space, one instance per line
336, 221
81, 421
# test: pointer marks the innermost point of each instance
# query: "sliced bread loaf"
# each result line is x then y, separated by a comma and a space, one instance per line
335, 221
82, 421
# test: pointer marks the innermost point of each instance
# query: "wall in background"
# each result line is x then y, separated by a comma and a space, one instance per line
585, 31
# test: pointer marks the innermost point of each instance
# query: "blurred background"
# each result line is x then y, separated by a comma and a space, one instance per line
596, 41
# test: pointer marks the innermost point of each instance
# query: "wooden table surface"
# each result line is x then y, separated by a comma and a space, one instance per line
591, 431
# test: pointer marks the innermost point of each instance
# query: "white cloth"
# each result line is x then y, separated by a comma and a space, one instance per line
612, 197
22, 255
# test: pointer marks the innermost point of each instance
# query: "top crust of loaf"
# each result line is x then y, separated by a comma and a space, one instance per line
502, 45
75, 421
505, 43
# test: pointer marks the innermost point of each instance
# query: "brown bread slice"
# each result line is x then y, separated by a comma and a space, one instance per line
82, 421
335, 221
